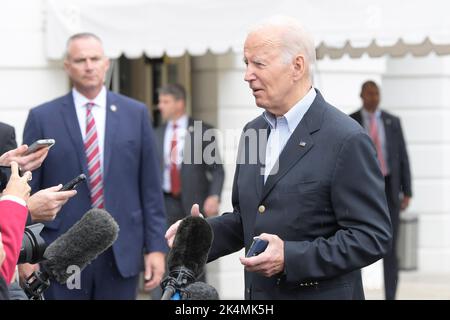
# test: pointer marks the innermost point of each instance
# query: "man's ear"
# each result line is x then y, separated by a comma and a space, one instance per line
299, 66
66, 64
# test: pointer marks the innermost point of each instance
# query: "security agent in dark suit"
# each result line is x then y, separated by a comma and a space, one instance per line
319, 200
7, 138
386, 132
187, 177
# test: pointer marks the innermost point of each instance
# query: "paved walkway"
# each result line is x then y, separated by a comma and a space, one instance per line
412, 286
418, 286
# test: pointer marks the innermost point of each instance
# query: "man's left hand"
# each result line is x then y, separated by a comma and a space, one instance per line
211, 206
405, 202
26, 162
271, 261
155, 266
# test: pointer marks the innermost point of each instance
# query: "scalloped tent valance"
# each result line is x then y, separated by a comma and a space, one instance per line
173, 27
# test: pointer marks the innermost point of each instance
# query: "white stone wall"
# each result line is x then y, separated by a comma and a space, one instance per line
27, 78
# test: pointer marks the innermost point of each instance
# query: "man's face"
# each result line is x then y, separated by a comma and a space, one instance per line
267, 75
169, 106
370, 96
86, 64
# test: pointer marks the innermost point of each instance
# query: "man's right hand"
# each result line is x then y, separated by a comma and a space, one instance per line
18, 186
25, 270
46, 203
172, 231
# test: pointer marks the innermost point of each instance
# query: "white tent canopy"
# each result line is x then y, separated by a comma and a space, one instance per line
155, 27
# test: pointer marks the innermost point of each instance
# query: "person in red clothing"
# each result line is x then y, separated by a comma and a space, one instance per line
13, 216
2, 251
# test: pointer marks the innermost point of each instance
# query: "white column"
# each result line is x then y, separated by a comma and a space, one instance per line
27, 78
418, 90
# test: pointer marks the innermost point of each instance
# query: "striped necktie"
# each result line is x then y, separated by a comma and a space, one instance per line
175, 179
93, 159
374, 134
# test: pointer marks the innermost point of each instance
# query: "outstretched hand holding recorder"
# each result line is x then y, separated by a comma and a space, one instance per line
71, 185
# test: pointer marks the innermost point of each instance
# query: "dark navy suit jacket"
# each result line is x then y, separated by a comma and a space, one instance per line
327, 203
132, 189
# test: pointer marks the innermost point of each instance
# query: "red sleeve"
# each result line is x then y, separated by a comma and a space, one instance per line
13, 217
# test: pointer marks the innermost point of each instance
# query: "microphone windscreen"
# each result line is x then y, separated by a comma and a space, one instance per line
200, 291
95, 232
191, 245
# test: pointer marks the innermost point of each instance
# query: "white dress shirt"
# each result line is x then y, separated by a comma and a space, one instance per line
182, 126
99, 114
14, 199
281, 129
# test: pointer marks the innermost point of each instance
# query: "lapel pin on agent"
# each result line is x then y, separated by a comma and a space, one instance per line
302, 144
113, 108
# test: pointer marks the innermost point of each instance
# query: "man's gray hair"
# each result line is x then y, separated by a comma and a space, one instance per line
295, 39
81, 35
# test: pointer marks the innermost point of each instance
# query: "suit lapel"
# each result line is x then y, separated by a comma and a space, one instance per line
70, 118
111, 128
298, 145
189, 155
358, 117
388, 131
161, 146
263, 136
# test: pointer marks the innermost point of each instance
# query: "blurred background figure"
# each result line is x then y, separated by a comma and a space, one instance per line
184, 181
386, 133
186, 178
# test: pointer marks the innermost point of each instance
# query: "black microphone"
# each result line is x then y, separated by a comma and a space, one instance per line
188, 255
200, 291
95, 232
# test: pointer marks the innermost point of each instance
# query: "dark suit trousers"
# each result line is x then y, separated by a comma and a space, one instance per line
390, 259
100, 280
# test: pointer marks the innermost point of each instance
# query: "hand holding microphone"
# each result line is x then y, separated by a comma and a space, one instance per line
191, 243
171, 232
83, 242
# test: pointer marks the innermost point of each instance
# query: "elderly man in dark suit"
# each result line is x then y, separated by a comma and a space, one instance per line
387, 135
317, 193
